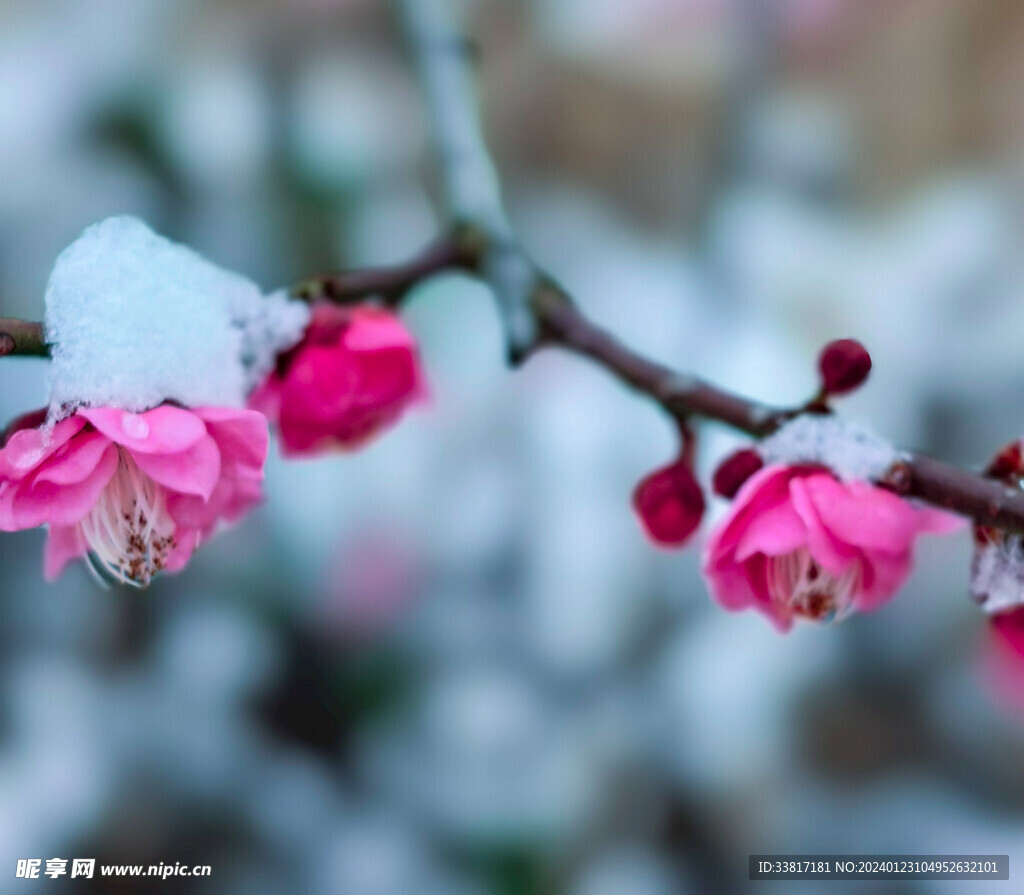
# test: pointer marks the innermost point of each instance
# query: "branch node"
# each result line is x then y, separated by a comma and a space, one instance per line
7, 344
898, 477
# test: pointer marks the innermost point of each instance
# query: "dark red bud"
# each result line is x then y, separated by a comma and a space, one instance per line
1007, 465
734, 471
844, 365
670, 504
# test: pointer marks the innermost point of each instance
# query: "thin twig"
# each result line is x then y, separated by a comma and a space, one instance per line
472, 188
22, 337
389, 285
473, 197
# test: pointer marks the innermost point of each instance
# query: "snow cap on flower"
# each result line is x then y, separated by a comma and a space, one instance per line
136, 492
670, 504
354, 372
134, 320
851, 450
798, 542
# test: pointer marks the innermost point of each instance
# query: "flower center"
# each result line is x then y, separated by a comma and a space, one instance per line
800, 586
129, 531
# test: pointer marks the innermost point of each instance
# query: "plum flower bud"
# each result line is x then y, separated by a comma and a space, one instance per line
135, 493
734, 470
844, 365
799, 543
353, 374
670, 504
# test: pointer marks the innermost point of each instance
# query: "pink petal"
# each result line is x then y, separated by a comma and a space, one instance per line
76, 461
266, 399
242, 436
884, 575
64, 543
163, 430
192, 471
321, 384
33, 504
775, 532
7, 491
34, 419
832, 553
872, 518
28, 448
764, 489
374, 330
939, 522
185, 543
730, 585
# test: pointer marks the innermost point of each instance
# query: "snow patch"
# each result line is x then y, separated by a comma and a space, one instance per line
997, 576
134, 319
851, 450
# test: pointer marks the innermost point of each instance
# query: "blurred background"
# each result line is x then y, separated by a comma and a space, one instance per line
451, 663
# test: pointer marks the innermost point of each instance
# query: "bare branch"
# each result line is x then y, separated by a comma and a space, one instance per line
471, 185
389, 285
22, 337
473, 197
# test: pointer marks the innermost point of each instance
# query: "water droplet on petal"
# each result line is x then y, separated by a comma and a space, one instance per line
134, 426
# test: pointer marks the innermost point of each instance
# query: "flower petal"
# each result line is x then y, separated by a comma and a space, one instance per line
26, 449
76, 461
64, 543
831, 552
764, 489
864, 515
193, 471
185, 542
374, 330
35, 503
163, 430
884, 574
243, 436
776, 531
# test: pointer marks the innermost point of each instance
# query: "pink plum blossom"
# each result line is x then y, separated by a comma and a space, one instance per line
798, 542
135, 492
353, 374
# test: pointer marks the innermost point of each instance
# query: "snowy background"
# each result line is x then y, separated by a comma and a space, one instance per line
451, 663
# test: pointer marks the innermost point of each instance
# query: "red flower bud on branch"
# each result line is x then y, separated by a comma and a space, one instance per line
734, 471
844, 365
670, 504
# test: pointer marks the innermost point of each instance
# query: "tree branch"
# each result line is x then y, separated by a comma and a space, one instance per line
22, 337
470, 182
389, 285
473, 198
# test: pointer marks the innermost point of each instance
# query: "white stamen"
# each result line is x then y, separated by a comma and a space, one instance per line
129, 531
799, 586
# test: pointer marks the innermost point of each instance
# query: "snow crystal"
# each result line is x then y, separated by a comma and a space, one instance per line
997, 576
849, 449
135, 319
